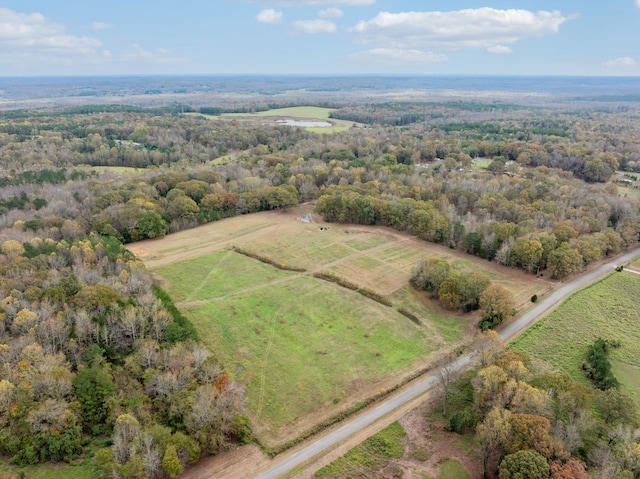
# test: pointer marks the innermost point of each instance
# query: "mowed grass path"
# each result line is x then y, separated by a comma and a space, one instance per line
609, 309
296, 341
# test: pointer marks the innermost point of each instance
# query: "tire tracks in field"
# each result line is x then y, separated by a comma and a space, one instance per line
263, 376
197, 289
263, 371
395, 241
357, 253
202, 302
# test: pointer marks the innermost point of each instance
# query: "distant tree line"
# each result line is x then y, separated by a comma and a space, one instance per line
538, 219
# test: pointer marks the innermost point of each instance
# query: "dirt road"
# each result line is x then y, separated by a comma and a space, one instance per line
290, 461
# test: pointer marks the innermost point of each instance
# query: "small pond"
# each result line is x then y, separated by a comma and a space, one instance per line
306, 124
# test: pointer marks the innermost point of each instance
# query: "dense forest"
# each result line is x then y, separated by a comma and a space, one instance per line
519, 211
94, 354
91, 349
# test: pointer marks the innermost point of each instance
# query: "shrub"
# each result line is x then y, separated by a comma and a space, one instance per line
597, 366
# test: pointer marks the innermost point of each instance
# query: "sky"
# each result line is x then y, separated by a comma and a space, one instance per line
326, 37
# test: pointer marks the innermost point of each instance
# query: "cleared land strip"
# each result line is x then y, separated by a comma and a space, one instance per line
302, 455
336, 348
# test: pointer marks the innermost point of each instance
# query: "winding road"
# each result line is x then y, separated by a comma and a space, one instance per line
421, 386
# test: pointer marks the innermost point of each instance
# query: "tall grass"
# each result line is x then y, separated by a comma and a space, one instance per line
609, 309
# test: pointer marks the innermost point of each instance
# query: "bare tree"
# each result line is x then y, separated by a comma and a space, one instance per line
447, 374
151, 456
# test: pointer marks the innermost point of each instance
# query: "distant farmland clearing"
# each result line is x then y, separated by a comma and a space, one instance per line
306, 112
300, 113
608, 309
307, 348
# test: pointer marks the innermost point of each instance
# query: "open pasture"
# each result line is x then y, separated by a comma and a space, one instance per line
629, 192
300, 113
627, 184
303, 343
307, 348
608, 309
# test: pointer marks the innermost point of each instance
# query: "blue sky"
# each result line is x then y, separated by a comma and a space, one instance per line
114, 37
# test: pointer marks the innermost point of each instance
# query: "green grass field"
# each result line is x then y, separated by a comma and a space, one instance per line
447, 326
482, 162
298, 341
302, 112
215, 275
449, 469
628, 192
607, 309
307, 348
382, 265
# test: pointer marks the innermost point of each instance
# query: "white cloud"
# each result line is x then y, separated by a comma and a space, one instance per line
100, 26
137, 54
396, 55
269, 15
32, 32
334, 12
499, 49
314, 3
638, 3
620, 63
314, 26
30, 43
470, 28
